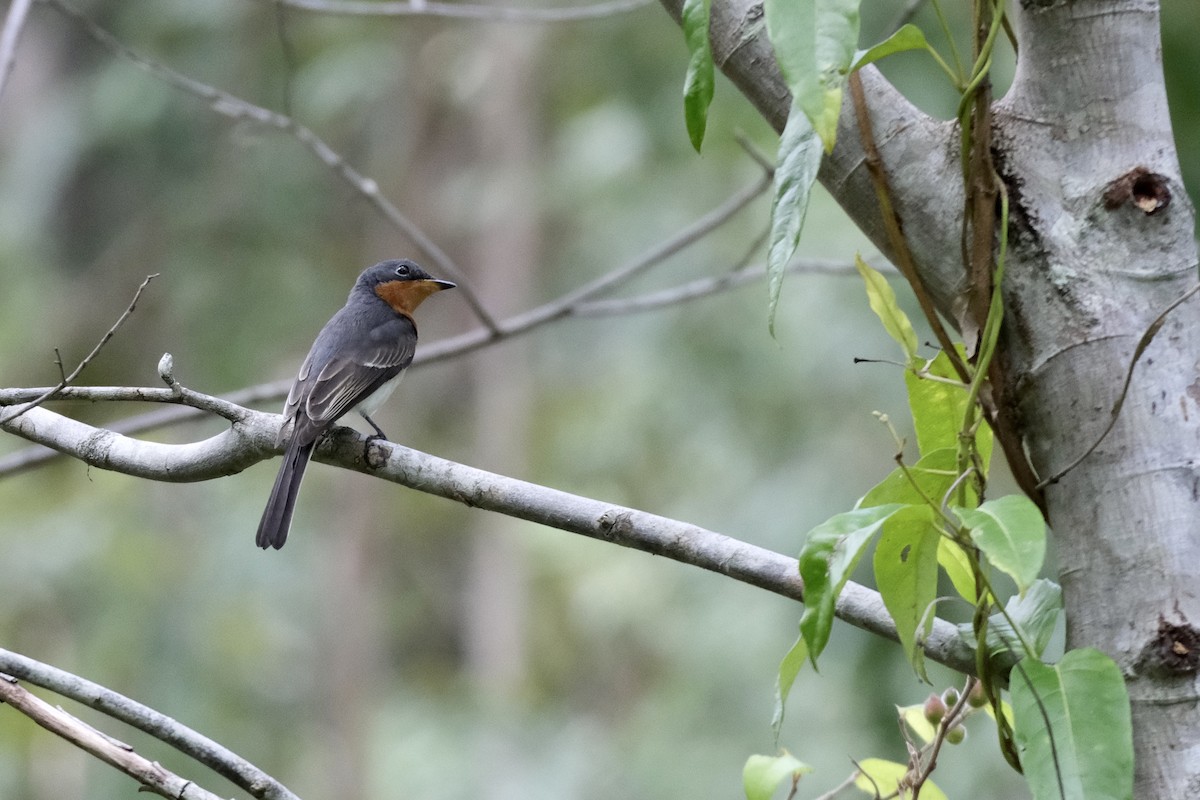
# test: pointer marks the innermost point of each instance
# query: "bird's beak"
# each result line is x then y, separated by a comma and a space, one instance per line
442, 284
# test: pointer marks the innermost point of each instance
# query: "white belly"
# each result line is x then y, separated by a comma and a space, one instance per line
371, 404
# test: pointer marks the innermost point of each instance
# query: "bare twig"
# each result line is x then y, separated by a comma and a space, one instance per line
236, 108
67, 379
1138, 351
149, 774
187, 741
14, 22
484, 13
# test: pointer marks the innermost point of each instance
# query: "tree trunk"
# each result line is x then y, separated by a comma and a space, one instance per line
1101, 244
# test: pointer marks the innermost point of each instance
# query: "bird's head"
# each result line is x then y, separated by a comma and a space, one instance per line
402, 284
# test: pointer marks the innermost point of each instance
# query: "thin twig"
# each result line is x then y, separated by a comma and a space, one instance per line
465, 10
236, 108
14, 23
1143, 343
87, 359
149, 774
891, 221
195, 745
289, 54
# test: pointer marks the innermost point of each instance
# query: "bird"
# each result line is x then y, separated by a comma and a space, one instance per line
355, 363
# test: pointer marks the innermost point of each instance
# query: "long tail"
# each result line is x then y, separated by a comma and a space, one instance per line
277, 518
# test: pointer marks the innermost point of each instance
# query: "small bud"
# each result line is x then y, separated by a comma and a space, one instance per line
935, 710
950, 697
976, 698
956, 735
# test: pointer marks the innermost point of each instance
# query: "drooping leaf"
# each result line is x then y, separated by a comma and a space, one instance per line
799, 158
814, 42
880, 778
1082, 704
1011, 532
883, 303
906, 572
830, 553
762, 774
789, 668
906, 37
698, 84
933, 476
1036, 614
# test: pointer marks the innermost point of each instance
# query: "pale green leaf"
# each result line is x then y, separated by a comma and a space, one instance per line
799, 158
830, 553
1036, 615
880, 778
906, 37
1083, 698
906, 572
762, 774
883, 303
789, 668
914, 717
814, 42
1011, 532
698, 84
957, 566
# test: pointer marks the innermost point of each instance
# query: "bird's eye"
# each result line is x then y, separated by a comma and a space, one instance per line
402, 271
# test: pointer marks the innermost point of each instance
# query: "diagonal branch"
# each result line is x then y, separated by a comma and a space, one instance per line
253, 439
211, 754
14, 22
149, 774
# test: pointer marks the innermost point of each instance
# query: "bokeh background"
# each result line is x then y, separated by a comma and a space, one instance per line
402, 645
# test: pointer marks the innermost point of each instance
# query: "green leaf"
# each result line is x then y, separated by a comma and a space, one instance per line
814, 42
1084, 700
933, 474
830, 553
789, 668
954, 561
799, 158
698, 84
880, 778
938, 399
883, 303
1036, 614
1011, 533
906, 37
762, 774
906, 572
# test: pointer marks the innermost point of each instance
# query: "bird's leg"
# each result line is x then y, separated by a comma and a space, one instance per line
379, 434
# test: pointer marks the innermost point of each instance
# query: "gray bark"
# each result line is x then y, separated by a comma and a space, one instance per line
1083, 142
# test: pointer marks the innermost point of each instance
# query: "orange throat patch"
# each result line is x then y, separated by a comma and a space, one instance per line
405, 296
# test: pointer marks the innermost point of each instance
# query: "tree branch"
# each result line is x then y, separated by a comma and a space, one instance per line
253, 439
211, 754
149, 774
919, 153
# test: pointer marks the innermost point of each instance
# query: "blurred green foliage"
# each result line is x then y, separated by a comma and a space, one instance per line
357, 662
